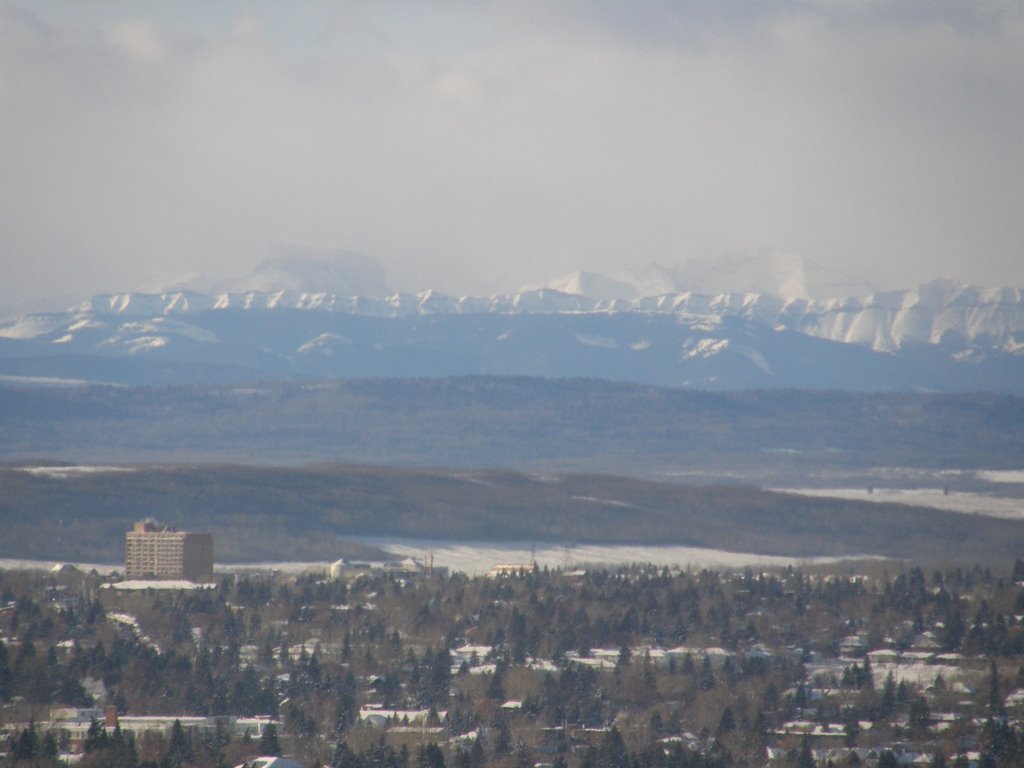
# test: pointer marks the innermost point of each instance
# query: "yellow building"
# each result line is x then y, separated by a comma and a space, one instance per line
152, 550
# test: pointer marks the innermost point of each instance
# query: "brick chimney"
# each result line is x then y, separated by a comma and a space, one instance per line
110, 717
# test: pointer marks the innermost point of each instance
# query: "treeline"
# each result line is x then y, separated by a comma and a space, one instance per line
526, 423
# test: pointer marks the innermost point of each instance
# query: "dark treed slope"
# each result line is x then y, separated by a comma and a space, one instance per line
259, 513
525, 423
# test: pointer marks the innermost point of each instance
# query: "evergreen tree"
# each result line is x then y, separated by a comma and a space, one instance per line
344, 757
706, 681
888, 701
624, 656
502, 739
612, 751
851, 730
727, 723
179, 750
919, 716
868, 678
49, 748
805, 759
26, 745
95, 737
6, 678
995, 696
429, 756
495, 689
477, 758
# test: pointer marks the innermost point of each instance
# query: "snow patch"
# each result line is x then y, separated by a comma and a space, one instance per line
604, 342
1001, 475
324, 343
63, 473
15, 564
29, 327
607, 502
755, 357
963, 503
136, 584
704, 348
189, 331
84, 322
44, 381
475, 558
143, 343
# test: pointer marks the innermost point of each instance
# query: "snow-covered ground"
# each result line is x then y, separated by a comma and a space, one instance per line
1001, 475
63, 473
478, 557
475, 558
919, 673
44, 381
966, 503
16, 564
135, 584
284, 567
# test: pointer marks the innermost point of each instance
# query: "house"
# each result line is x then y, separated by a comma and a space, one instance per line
512, 569
383, 718
271, 762
73, 723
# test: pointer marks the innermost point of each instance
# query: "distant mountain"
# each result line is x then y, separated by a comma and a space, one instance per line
312, 270
942, 336
774, 273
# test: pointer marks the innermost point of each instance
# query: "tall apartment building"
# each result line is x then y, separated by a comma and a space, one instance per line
157, 551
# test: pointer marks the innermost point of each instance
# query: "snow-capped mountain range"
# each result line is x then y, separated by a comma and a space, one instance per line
941, 312
939, 336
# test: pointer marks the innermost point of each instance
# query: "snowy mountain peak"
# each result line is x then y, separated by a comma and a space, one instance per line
776, 273
308, 270
589, 284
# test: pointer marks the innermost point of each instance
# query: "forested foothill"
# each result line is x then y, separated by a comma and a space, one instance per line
632, 668
259, 514
520, 423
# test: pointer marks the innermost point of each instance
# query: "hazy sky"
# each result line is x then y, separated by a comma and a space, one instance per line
474, 147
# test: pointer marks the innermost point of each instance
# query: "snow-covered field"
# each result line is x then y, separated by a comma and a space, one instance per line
920, 673
475, 558
137, 584
966, 503
1001, 475
15, 564
44, 381
284, 567
63, 473
478, 557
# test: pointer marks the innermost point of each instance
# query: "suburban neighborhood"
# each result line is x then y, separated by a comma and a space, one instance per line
396, 664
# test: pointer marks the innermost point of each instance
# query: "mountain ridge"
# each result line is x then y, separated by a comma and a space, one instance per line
883, 320
941, 336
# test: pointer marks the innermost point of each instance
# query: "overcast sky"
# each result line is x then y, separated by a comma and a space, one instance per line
475, 147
